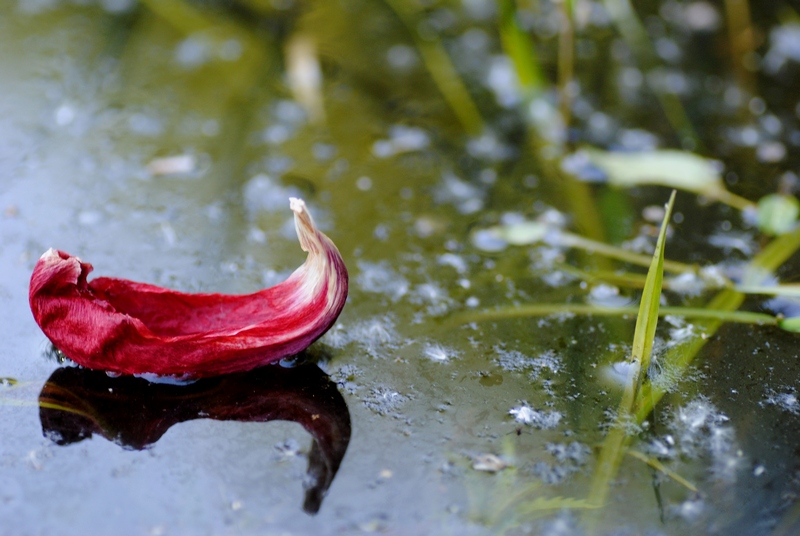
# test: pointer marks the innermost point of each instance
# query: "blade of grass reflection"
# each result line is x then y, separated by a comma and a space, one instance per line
658, 466
519, 47
741, 38
442, 70
566, 59
635, 35
179, 14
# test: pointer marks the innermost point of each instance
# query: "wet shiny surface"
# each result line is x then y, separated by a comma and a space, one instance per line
462, 428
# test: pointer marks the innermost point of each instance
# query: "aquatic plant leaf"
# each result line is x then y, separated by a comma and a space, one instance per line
790, 324
527, 232
523, 233
127, 327
777, 214
646, 321
615, 443
668, 167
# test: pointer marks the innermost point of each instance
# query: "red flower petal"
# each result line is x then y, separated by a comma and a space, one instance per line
133, 328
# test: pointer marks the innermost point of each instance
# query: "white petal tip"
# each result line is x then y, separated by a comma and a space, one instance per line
49, 253
297, 205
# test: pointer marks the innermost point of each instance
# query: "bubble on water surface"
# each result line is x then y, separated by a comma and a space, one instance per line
733, 241
193, 52
502, 80
455, 261
516, 361
402, 57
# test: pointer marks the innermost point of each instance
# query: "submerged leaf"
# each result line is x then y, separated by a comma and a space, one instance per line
667, 167
777, 214
678, 169
127, 327
790, 324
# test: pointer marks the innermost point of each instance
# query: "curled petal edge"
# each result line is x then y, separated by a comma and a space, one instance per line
126, 327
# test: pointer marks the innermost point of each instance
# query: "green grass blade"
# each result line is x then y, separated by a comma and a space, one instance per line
615, 443
647, 320
547, 309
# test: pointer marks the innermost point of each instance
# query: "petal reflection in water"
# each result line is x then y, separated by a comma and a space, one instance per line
76, 403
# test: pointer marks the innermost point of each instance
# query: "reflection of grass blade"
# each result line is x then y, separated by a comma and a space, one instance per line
658, 466
443, 72
519, 47
742, 41
181, 15
635, 35
615, 443
566, 60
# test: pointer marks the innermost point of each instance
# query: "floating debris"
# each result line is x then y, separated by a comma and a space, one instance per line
489, 463
438, 353
785, 401
384, 401
545, 420
515, 361
699, 429
304, 75
174, 165
345, 377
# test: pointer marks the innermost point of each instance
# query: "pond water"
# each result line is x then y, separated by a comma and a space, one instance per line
160, 141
